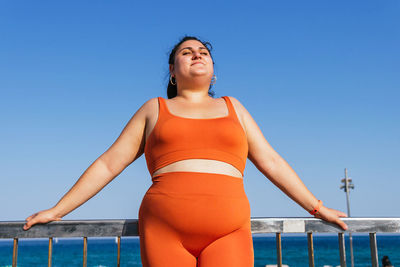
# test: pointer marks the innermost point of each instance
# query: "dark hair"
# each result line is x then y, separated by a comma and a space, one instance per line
172, 90
386, 261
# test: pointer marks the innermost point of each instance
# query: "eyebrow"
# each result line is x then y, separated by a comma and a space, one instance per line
191, 48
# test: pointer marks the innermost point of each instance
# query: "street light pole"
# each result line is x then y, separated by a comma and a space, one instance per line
347, 185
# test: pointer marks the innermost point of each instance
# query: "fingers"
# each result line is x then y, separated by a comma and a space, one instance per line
28, 224
32, 220
333, 216
339, 213
29, 221
342, 224
337, 221
32, 216
43, 216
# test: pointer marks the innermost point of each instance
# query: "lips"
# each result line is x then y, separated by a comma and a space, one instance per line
197, 63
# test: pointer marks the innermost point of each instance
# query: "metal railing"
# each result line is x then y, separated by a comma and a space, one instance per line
125, 228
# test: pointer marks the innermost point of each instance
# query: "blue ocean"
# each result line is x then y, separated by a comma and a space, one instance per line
103, 252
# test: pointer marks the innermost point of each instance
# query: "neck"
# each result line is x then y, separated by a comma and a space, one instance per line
193, 95
200, 82
193, 89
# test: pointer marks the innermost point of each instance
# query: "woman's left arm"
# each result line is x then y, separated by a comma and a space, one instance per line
278, 171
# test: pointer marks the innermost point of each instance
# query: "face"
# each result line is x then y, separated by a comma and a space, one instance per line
192, 59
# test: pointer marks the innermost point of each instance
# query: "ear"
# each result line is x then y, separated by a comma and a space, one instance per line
171, 69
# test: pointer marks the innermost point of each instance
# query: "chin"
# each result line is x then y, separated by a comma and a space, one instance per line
201, 73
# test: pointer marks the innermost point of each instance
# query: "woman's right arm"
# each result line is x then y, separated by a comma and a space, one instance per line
127, 148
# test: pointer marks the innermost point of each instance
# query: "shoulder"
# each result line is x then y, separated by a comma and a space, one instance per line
151, 103
244, 115
148, 109
235, 101
239, 108
150, 106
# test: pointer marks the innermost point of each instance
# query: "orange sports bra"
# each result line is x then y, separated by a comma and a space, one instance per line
177, 138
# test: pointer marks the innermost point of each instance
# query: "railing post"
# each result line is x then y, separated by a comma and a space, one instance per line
374, 250
342, 250
15, 253
119, 251
310, 249
50, 251
279, 249
84, 251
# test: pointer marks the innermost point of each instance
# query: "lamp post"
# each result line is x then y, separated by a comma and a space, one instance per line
346, 186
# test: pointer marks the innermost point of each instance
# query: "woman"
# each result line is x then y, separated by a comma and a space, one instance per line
196, 213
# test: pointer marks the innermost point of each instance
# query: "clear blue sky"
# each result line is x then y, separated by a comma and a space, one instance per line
321, 79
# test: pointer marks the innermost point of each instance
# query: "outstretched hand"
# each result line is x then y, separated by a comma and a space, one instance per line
332, 215
43, 216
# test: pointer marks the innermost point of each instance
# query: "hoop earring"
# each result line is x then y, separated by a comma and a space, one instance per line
214, 80
170, 80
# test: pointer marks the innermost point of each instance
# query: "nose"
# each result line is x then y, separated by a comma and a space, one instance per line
196, 54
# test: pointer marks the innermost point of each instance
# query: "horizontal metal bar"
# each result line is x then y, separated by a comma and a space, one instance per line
66, 228
104, 228
304, 225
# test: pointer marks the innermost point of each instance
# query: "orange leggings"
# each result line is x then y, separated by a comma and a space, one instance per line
194, 219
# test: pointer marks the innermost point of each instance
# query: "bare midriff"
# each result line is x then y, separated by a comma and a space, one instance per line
201, 165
